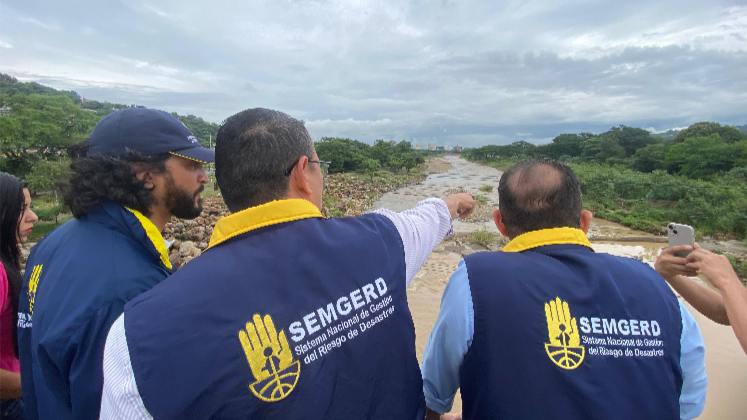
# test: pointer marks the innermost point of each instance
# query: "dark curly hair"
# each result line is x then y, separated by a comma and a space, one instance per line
99, 178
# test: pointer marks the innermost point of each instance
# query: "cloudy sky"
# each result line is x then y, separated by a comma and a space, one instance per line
446, 71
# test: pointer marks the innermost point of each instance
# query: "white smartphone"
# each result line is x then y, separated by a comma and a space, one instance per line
681, 235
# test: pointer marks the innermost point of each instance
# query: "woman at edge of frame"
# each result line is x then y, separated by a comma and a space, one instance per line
16, 223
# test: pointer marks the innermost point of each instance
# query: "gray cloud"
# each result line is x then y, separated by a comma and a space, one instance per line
468, 72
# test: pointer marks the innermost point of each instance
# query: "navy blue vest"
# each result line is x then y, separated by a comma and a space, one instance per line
306, 319
562, 332
78, 279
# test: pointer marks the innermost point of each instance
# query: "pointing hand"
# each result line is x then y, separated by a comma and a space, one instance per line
460, 205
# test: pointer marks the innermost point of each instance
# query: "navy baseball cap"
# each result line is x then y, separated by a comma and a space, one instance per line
148, 131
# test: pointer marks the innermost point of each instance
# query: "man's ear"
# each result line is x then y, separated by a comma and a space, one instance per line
142, 173
585, 221
300, 177
498, 219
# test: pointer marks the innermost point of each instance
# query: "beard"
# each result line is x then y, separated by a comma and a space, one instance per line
182, 203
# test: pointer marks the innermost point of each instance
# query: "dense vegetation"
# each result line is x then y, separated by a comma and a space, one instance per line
627, 175
38, 123
353, 155
696, 176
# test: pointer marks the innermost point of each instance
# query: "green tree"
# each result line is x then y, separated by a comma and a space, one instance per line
705, 157
629, 139
10, 86
403, 147
205, 132
40, 127
484, 153
371, 166
650, 158
738, 175
519, 148
381, 151
565, 145
602, 148
411, 160
706, 129
396, 162
102, 109
49, 175
345, 154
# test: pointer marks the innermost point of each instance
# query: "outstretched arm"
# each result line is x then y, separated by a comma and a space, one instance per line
424, 226
718, 270
676, 271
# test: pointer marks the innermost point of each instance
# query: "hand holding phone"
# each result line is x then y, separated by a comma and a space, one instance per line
681, 235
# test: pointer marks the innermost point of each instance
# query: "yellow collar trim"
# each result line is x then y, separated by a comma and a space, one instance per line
154, 235
267, 214
555, 236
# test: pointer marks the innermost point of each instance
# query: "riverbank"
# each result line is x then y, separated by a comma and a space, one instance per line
647, 202
351, 194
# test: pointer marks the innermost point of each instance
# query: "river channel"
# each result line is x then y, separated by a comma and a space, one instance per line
726, 364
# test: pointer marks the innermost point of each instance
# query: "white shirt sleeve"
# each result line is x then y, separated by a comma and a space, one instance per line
120, 399
422, 228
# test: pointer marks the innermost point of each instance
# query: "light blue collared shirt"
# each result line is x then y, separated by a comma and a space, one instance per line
451, 338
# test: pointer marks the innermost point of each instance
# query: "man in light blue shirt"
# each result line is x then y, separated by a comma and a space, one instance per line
549, 329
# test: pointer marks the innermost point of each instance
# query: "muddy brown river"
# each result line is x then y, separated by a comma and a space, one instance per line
726, 364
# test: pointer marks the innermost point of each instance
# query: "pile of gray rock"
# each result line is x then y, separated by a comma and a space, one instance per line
191, 237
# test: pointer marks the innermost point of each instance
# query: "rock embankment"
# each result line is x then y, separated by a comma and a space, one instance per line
353, 194
192, 237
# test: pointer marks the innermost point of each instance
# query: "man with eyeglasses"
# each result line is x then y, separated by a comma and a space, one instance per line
287, 315
323, 166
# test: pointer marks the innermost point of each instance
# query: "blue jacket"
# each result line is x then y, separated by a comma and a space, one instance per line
286, 316
77, 282
550, 329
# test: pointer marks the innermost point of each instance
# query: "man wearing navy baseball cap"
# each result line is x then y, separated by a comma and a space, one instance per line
147, 131
138, 168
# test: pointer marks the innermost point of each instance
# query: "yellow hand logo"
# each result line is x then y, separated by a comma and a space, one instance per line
265, 349
564, 347
33, 285
560, 326
269, 358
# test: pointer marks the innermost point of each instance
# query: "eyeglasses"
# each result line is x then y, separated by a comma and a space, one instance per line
323, 166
